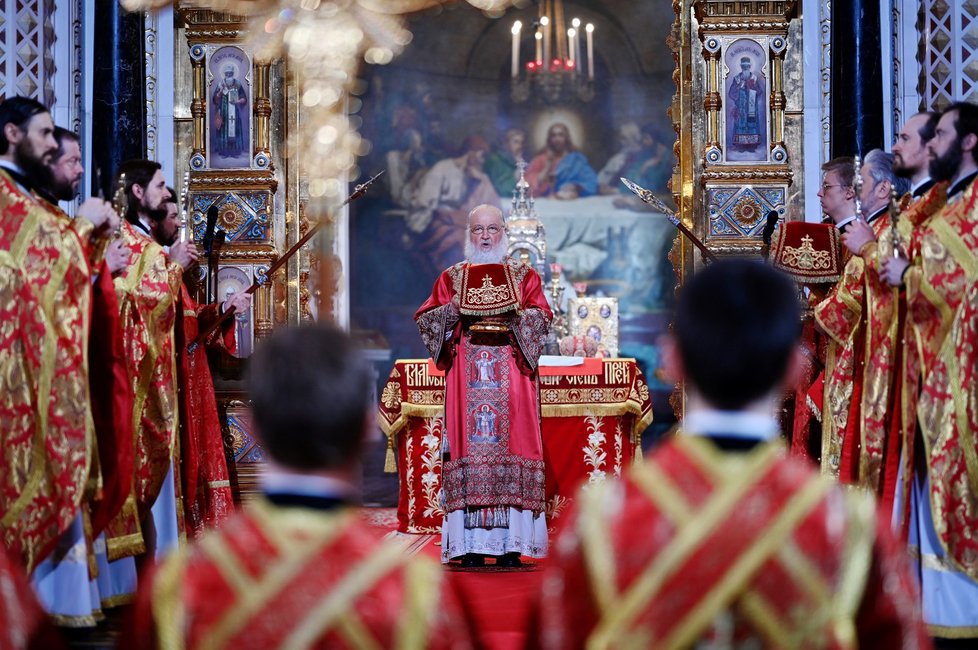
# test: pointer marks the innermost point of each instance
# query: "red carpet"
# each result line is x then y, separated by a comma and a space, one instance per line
498, 600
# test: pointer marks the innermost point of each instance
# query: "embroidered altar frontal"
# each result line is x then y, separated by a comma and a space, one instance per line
593, 417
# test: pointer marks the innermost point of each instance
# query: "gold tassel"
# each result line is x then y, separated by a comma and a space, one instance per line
390, 462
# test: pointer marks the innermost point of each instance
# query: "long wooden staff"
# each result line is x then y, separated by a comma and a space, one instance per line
648, 197
358, 191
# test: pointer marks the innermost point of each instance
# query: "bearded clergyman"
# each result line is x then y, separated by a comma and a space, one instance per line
485, 324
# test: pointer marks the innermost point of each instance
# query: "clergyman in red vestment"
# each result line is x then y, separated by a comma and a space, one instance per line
298, 567
485, 323
720, 538
203, 466
45, 303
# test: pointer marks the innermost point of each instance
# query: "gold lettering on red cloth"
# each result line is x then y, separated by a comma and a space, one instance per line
47, 432
412, 407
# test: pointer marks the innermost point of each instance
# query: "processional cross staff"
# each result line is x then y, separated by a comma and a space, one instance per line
358, 191
648, 197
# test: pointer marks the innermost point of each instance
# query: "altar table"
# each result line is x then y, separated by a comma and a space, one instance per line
593, 419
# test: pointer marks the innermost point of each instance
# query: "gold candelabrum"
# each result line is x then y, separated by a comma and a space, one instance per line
184, 206
119, 205
559, 325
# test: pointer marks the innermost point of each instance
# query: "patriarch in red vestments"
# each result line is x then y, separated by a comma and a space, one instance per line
298, 567
485, 323
720, 539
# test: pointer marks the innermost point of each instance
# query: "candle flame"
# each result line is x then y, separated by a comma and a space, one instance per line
589, 28
517, 26
544, 21
576, 22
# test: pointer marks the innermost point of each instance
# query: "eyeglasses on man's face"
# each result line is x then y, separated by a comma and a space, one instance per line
826, 187
492, 230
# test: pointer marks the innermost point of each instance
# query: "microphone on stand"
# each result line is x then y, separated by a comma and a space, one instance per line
208, 242
213, 257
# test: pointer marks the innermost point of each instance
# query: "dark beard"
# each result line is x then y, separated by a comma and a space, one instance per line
157, 215
35, 169
946, 167
62, 191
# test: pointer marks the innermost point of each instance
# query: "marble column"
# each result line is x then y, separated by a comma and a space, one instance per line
118, 93
857, 78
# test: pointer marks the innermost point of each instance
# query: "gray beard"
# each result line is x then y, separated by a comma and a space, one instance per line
493, 256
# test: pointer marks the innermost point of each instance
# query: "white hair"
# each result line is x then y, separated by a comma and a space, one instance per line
485, 206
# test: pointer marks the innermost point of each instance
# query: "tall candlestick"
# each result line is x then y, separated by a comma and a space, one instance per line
517, 26
576, 24
545, 25
571, 33
539, 39
590, 51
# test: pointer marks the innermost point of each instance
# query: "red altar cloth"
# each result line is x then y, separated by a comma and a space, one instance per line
593, 418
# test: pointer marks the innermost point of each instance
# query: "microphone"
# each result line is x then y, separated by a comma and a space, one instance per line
218, 242
212, 261
769, 227
208, 241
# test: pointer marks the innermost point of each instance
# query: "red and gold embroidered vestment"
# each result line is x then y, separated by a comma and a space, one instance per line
736, 549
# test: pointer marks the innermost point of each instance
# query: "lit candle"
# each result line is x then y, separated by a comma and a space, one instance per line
517, 26
545, 25
576, 24
590, 51
571, 33
539, 39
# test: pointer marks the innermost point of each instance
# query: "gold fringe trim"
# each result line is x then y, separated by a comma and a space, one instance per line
807, 279
91, 620
487, 312
118, 600
390, 461
117, 548
584, 410
391, 428
948, 632
422, 410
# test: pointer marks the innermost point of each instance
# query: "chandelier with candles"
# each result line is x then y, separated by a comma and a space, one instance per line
556, 70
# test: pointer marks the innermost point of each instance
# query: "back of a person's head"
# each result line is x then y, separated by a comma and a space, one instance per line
310, 397
737, 324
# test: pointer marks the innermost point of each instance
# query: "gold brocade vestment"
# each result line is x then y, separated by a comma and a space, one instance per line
45, 418
147, 290
942, 300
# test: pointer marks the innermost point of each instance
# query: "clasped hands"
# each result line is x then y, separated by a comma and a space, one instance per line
858, 235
